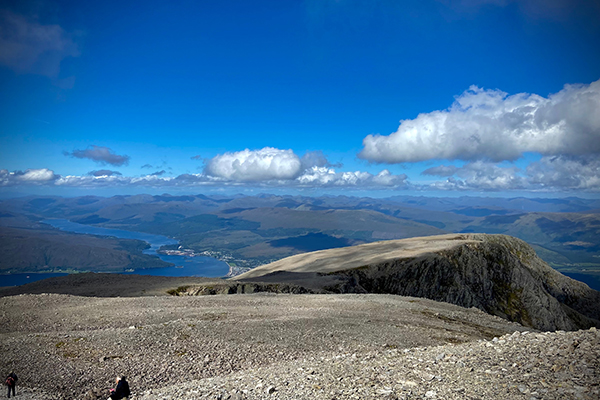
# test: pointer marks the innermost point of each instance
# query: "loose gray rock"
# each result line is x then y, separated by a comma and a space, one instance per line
286, 347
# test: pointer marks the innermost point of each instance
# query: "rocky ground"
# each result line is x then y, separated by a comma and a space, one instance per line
266, 346
522, 365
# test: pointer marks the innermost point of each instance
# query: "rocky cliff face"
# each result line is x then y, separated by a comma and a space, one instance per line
499, 274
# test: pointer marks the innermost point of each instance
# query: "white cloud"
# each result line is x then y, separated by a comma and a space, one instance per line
255, 165
489, 124
386, 178
92, 181
315, 177
483, 176
112, 180
37, 175
271, 164
323, 177
27, 46
562, 172
548, 174
30, 176
553, 173
150, 180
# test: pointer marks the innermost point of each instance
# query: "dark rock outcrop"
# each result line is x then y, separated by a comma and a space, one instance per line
238, 288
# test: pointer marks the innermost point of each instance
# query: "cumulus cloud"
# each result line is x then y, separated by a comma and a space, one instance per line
101, 155
255, 165
267, 164
491, 125
564, 172
159, 173
551, 173
26, 46
103, 172
483, 176
386, 178
28, 177
323, 177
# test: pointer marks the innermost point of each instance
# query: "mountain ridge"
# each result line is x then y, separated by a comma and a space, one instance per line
499, 274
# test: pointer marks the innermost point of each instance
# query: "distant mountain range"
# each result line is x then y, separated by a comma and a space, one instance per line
259, 229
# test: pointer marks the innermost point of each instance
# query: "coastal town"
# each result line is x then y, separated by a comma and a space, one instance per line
236, 266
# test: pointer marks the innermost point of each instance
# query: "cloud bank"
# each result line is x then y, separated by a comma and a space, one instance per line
328, 177
564, 172
550, 174
267, 167
491, 125
483, 176
101, 155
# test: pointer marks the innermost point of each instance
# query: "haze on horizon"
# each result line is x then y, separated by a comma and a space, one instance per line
435, 97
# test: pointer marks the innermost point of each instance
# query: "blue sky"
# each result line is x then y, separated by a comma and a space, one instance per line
443, 97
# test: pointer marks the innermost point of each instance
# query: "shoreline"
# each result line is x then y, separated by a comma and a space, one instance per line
234, 270
230, 272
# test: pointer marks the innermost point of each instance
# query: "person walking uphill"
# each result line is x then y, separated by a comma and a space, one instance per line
11, 382
121, 391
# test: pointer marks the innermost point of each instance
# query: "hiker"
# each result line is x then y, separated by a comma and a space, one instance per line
122, 389
11, 382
